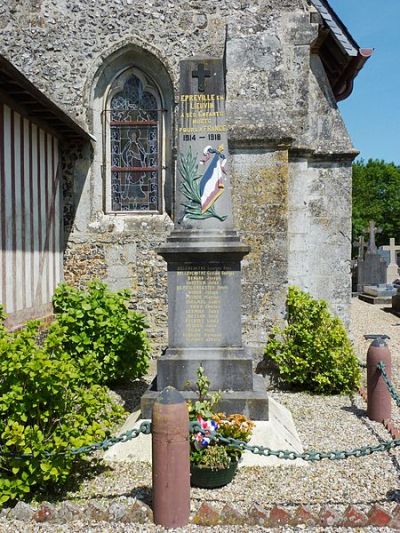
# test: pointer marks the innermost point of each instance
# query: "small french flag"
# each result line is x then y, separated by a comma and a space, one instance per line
212, 182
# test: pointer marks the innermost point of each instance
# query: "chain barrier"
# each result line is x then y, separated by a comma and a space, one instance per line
306, 456
195, 427
145, 428
389, 383
311, 456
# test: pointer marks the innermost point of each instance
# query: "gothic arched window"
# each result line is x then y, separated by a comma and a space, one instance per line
134, 144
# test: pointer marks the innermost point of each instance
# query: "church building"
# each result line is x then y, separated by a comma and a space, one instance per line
88, 121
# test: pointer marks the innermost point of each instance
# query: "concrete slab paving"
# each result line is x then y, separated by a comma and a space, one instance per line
278, 433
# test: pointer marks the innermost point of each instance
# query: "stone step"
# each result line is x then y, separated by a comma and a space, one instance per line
227, 368
252, 403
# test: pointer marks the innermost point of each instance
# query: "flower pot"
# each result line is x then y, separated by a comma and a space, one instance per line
206, 478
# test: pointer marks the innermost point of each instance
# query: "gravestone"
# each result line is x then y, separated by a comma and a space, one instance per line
355, 280
384, 290
203, 255
361, 245
372, 269
396, 298
378, 294
392, 271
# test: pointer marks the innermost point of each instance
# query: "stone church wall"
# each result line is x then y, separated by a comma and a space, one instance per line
320, 223
276, 107
320, 200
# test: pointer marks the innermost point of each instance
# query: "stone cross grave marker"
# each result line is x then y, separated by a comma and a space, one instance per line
372, 270
372, 230
361, 246
392, 271
355, 269
203, 255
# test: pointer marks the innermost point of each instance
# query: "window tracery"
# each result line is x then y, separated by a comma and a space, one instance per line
134, 118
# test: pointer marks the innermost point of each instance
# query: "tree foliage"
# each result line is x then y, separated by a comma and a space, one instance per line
376, 196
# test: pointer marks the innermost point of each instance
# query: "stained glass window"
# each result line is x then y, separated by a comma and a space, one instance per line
134, 118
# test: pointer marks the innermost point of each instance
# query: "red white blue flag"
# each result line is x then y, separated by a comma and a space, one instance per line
212, 182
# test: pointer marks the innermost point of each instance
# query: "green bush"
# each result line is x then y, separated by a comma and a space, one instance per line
313, 352
95, 326
44, 409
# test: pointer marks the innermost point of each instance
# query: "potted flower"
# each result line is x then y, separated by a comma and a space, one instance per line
213, 463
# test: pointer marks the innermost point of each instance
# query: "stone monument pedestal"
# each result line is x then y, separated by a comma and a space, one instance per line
253, 402
203, 254
205, 323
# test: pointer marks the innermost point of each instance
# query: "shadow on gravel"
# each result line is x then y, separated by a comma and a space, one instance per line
143, 493
361, 414
131, 393
83, 471
356, 411
392, 312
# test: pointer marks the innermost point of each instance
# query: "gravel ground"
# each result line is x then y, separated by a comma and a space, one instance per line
323, 423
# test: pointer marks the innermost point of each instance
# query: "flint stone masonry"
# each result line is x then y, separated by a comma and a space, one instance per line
291, 154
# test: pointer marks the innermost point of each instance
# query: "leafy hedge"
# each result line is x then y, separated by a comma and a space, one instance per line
313, 352
95, 327
44, 407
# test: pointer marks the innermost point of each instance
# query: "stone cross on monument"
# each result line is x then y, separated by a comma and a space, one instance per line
203, 255
392, 272
372, 229
201, 74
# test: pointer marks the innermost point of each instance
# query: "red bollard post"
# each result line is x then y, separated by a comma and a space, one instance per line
171, 460
379, 403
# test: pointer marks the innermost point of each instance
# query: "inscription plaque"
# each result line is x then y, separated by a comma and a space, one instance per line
205, 300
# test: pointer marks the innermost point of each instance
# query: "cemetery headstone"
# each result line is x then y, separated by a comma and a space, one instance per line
396, 298
361, 246
392, 271
203, 255
372, 269
372, 230
378, 294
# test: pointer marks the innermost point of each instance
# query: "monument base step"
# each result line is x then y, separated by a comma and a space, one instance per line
277, 433
375, 300
227, 368
252, 403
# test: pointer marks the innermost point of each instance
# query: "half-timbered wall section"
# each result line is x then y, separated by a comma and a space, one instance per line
30, 217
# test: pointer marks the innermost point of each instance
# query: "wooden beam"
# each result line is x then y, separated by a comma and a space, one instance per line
319, 41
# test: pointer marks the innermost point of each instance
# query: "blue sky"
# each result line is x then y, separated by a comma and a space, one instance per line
372, 112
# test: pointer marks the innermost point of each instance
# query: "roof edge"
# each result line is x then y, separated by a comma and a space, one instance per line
75, 129
342, 82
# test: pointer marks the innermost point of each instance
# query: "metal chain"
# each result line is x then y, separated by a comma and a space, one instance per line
389, 383
145, 428
335, 455
311, 456
195, 427
306, 456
